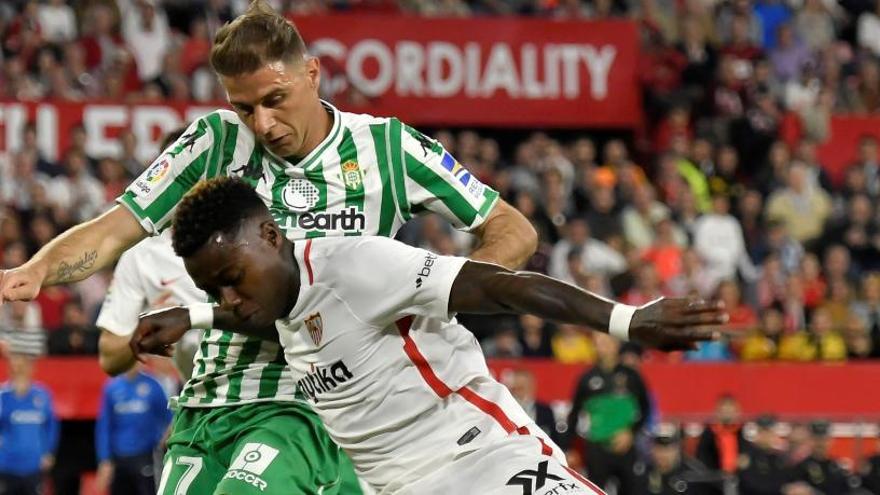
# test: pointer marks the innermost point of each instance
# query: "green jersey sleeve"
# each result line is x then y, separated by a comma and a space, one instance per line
437, 182
196, 155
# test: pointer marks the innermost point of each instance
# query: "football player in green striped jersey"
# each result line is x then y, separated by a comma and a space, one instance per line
322, 172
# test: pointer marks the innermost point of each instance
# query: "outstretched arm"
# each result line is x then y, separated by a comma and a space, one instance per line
74, 255
668, 324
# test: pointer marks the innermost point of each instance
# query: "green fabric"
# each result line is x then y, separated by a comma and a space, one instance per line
609, 414
267, 448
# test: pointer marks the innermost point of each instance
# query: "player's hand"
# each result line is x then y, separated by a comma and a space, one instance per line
677, 324
159, 330
47, 462
22, 283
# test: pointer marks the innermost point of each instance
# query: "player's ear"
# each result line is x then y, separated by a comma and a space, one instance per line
313, 72
270, 232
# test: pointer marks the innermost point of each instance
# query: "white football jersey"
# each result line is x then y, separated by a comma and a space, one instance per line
150, 276
402, 403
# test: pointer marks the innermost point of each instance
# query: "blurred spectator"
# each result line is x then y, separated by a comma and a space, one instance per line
57, 21
666, 252
28, 428
821, 342
762, 343
868, 31
21, 327
77, 336
78, 190
869, 164
814, 285
858, 341
694, 277
722, 440
647, 286
571, 345
858, 232
867, 307
718, 239
52, 299
610, 406
504, 344
131, 422
669, 471
761, 468
803, 209
595, 255
814, 24
871, 472
147, 35
819, 469
838, 302
535, 337
729, 10
522, 387
741, 316
862, 93
639, 218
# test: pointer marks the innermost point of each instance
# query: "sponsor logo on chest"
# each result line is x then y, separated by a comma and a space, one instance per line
323, 379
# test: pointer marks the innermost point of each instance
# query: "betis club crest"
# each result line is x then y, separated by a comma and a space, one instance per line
315, 325
351, 174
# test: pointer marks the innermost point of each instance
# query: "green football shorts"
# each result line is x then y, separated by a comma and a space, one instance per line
261, 448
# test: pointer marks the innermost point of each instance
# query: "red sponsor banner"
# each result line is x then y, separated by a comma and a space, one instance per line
480, 72
843, 392
102, 123
690, 390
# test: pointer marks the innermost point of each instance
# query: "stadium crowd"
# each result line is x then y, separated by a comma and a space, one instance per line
706, 199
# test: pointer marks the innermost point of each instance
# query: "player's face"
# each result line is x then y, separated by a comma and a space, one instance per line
246, 274
278, 102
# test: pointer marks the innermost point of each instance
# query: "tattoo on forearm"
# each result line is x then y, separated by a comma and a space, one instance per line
66, 271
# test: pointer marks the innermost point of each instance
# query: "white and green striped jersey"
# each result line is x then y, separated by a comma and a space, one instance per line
368, 177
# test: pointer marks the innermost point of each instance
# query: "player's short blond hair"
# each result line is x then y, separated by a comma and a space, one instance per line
258, 37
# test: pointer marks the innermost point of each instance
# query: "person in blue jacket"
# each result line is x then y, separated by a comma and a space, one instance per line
28, 429
133, 419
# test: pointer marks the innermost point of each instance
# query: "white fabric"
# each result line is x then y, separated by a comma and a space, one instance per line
868, 32
201, 315
510, 466
718, 239
57, 23
353, 363
150, 276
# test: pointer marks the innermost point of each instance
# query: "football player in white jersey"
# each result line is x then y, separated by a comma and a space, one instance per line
417, 410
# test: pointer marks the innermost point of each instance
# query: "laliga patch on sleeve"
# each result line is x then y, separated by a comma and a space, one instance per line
155, 175
476, 188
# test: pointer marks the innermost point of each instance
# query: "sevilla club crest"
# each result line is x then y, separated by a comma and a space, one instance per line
315, 324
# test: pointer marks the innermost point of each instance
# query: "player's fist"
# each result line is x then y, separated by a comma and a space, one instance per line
157, 331
22, 283
677, 324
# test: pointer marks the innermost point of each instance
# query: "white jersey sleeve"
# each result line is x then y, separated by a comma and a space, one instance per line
389, 280
125, 298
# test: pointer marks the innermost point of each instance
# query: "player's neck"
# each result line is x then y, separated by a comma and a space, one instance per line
292, 278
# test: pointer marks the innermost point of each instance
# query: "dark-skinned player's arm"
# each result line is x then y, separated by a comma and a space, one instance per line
157, 331
666, 324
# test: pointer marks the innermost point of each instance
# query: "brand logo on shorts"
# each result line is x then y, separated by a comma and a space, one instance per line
315, 325
251, 462
254, 458
300, 195
532, 479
